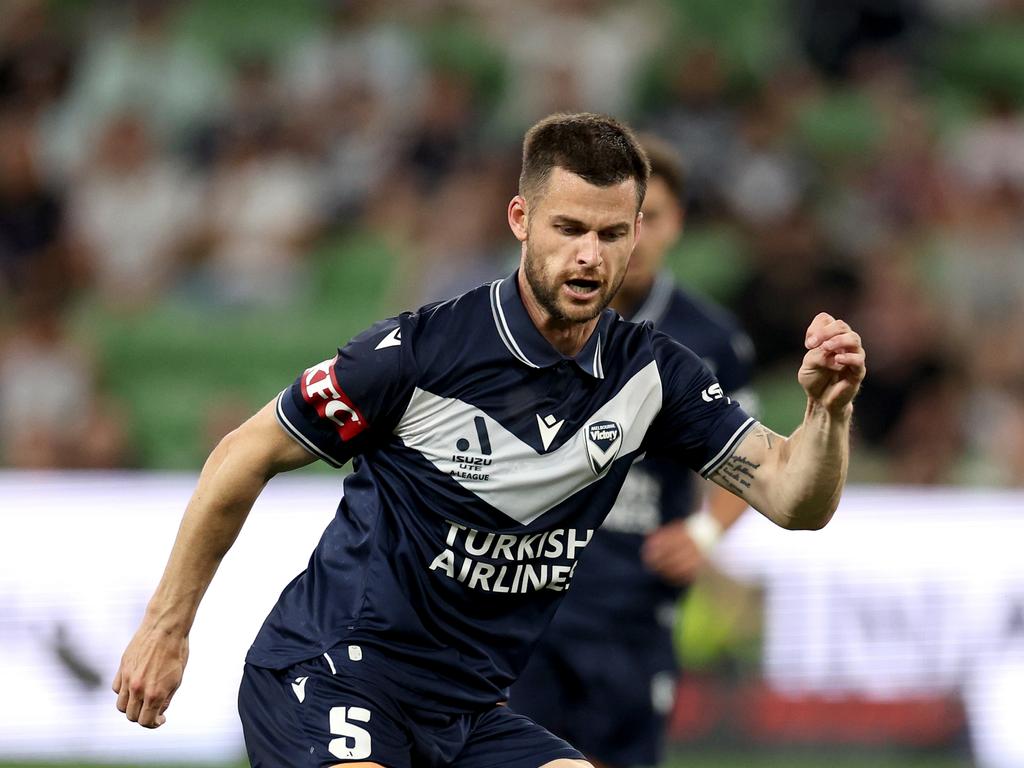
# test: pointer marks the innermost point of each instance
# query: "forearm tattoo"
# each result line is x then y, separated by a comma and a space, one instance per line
766, 434
736, 474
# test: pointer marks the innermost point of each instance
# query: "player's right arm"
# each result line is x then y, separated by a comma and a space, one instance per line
232, 478
333, 411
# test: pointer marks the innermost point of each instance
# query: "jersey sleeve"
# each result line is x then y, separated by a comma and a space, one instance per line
341, 406
698, 423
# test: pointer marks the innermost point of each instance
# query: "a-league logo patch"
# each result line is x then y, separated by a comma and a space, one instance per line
320, 389
604, 438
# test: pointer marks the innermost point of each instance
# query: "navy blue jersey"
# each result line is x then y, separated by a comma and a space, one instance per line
614, 592
483, 462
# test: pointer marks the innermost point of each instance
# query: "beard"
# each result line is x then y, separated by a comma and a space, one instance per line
548, 292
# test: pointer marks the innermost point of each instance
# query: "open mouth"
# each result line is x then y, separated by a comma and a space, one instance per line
582, 288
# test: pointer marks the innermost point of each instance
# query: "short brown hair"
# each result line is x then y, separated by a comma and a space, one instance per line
666, 164
597, 148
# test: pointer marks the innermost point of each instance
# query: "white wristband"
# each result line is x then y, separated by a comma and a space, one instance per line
704, 529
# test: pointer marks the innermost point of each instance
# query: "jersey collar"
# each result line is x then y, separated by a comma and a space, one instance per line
527, 344
656, 302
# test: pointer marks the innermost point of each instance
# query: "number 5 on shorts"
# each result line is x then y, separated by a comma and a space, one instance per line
354, 742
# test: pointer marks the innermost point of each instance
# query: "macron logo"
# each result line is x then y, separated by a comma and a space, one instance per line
393, 339
299, 687
548, 429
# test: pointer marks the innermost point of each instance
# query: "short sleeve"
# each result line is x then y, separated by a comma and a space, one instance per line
341, 406
698, 423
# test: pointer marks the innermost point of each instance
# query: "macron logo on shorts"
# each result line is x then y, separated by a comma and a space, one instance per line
320, 389
299, 687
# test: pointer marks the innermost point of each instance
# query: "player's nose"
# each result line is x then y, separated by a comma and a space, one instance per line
589, 252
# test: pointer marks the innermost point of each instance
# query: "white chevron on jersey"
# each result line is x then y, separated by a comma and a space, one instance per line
514, 477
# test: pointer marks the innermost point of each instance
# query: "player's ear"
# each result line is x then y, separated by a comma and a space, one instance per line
518, 217
638, 226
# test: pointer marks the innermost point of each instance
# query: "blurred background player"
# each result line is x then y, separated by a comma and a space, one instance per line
604, 674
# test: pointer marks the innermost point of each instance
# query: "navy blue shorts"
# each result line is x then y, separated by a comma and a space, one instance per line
609, 697
318, 713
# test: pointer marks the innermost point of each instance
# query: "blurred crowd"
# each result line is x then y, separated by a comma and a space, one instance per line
864, 157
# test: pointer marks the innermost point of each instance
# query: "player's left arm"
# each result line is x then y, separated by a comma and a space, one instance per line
796, 481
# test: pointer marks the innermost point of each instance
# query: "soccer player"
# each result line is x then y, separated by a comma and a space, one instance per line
490, 436
604, 674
